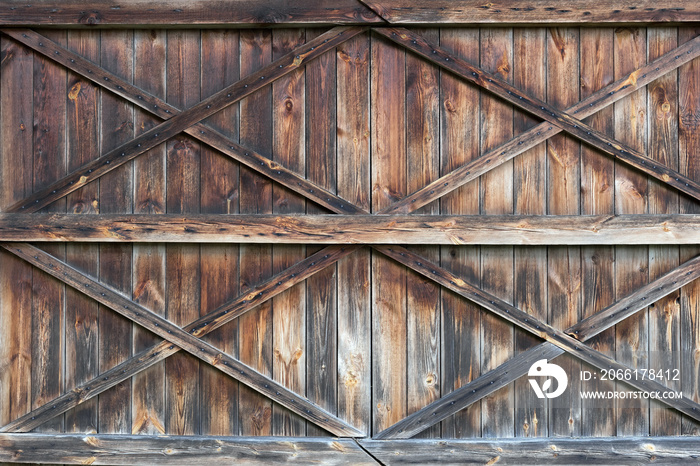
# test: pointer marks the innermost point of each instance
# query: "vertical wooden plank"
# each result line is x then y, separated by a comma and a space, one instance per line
255, 327
182, 260
83, 145
459, 143
48, 294
321, 289
148, 387
219, 195
16, 122
664, 315
597, 197
497, 262
564, 263
529, 182
354, 276
288, 308
423, 296
688, 148
388, 100
116, 188
631, 263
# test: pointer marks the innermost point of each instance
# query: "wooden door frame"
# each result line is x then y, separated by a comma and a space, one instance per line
15, 223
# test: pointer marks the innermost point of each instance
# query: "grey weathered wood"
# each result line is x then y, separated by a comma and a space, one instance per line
171, 127
200, 131
593, 103
141, 449
519, 364
533, 11
604, 451
541, 109
191, 333
354, 229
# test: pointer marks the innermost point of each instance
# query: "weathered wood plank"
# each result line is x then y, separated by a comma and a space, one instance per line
591, 104
136, 449
533, 11
254, 81
185, 338
354, 229
288, 321
49, 163
183, 12
603, 451
422, 296
220, 64
537, 107
530, 198
597, 68
116, 196
321, 289
160, 351
148, 387
255, 328
497, 266
459, 144
388, 281
83, 142
16, 122
520, 363
354, 286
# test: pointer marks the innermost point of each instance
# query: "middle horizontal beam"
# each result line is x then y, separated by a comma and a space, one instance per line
353, 229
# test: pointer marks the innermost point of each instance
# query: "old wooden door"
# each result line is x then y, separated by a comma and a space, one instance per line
348, 238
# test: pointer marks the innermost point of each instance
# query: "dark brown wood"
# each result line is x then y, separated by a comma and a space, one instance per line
200, 131
565, 451
541, 109
163, 449
592, 103
183, 12
532, 11
171, 127
200, 327
519, 364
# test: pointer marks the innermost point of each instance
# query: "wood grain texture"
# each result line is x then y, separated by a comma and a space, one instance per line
389, 183
116, 196
219, 191
459, 144
130, 449
182, 12
528, 12
354, 275
148, 268
606, 450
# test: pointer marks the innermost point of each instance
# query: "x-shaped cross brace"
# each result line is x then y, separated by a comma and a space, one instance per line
192, 344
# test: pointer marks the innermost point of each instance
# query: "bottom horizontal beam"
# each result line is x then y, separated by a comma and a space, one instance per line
141, 449
591, 450
354, 229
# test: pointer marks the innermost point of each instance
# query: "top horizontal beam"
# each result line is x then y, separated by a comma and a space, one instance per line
182, 12
205, 13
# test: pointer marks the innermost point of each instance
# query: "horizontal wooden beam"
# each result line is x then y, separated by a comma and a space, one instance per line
105, 13
183, 12
534, 11
163, 449
525, 451
353, 229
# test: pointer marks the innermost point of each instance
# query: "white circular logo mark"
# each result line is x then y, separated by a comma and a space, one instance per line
544, 369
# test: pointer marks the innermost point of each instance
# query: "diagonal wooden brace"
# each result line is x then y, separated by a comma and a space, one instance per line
188, 338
